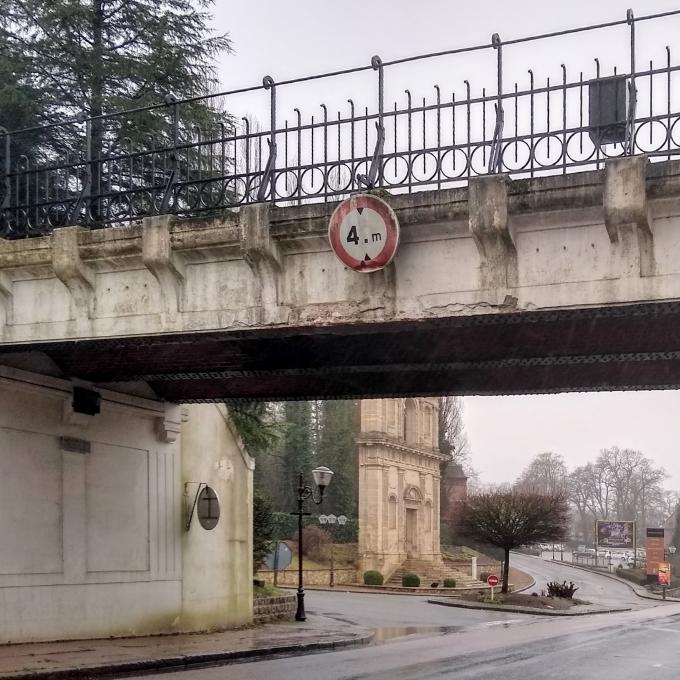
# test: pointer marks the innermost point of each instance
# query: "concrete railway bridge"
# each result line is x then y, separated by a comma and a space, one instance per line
111, 338
568, 282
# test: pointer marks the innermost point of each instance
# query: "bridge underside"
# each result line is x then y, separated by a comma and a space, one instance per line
627, 347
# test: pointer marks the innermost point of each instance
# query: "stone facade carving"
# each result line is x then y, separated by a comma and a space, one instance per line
399, 464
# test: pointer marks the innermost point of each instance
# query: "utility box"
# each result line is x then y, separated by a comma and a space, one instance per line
608, 110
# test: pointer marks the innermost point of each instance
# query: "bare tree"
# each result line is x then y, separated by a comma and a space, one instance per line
621, 484
546, 474
453, 440
510, 519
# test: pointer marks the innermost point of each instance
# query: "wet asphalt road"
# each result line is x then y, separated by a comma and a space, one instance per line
592, 587
441, 642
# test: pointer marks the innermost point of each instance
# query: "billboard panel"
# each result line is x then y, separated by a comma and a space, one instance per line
615, 534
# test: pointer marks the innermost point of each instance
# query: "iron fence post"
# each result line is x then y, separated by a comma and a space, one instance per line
376, 63
84, 194
495, 156
629, 143
164, 207
268, 177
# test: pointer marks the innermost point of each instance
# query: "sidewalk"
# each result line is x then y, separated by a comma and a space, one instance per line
102, 658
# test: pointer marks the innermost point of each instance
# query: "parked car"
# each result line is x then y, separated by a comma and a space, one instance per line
580, 549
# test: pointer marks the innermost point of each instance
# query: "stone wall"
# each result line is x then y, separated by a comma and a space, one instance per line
279, 608
312, 577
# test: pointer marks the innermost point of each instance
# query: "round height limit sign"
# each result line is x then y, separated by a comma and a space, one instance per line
364, 233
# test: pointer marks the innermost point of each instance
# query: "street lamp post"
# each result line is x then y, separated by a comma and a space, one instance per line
331, 520
322, 478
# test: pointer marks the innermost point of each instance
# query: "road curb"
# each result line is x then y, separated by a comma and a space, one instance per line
183, 662
513, 609
529, 587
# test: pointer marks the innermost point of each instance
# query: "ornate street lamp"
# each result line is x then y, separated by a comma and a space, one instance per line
331, 520
322, 478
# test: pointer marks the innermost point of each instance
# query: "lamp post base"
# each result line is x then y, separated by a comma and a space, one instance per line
300, 614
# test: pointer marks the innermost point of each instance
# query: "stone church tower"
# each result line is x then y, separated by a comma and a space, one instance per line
399, 480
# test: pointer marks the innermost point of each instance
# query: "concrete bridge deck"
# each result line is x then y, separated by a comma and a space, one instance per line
568, 282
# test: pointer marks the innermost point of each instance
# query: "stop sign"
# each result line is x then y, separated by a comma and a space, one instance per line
492, 580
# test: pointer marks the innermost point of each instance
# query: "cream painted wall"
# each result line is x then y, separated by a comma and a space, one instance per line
217, 588
93, 544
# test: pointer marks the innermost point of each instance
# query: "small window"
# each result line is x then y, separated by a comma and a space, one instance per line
208, 508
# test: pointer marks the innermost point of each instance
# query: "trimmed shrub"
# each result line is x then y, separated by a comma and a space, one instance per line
410, 580
373, 578
449, 583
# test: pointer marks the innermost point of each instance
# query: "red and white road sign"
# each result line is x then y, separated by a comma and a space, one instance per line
492, 580
364, 233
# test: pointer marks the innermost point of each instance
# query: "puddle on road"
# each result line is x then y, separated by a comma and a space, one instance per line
386, 633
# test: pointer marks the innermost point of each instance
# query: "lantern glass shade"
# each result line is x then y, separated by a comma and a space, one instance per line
323, 519
322, 476
342, 520
332, 519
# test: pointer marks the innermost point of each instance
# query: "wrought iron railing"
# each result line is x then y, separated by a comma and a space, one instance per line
432, 142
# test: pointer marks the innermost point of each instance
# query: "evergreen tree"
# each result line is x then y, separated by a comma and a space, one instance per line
337, 450
296, 454
100, 56
95, 57
21, 104
256, 424
263, 527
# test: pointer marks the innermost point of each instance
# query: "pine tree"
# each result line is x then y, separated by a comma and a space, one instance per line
95, 57
21, 104
100, 56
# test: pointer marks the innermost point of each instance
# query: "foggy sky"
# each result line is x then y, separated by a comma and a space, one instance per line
288, 39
